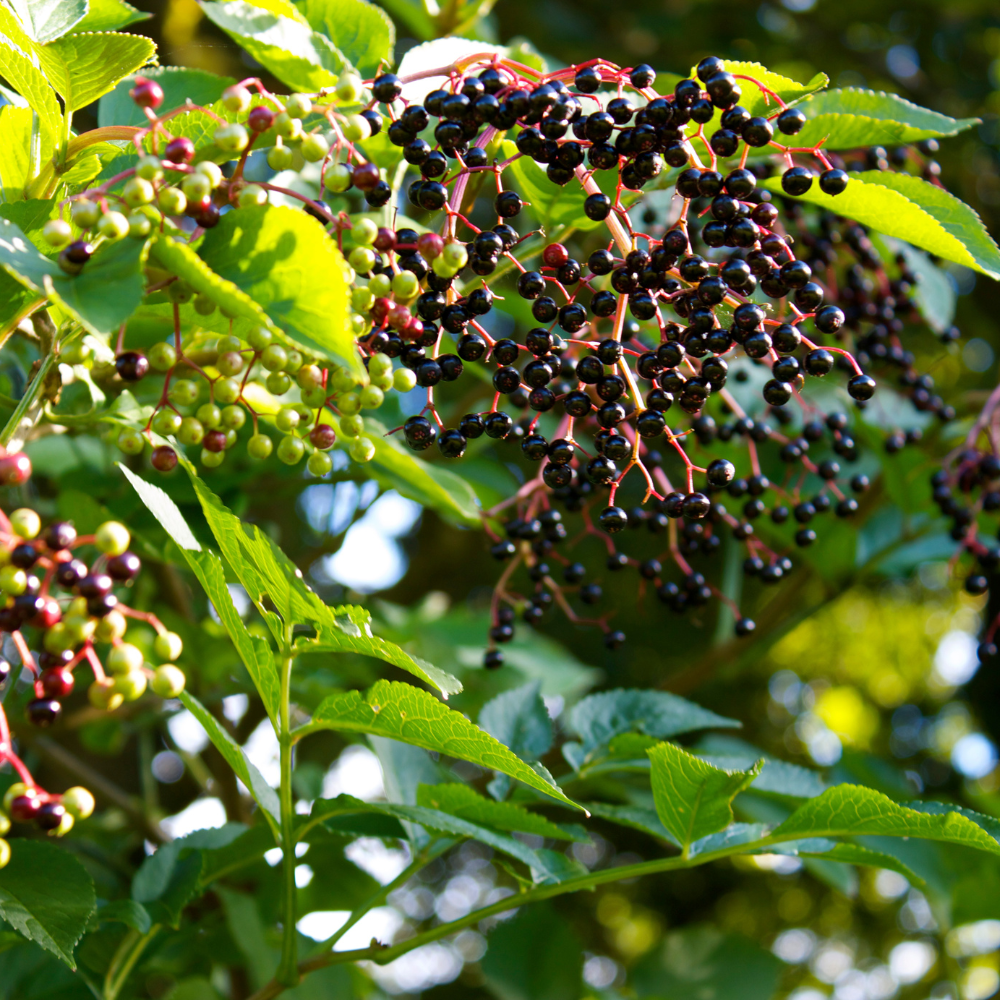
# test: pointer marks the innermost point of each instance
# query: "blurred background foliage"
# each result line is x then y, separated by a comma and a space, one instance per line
868, 670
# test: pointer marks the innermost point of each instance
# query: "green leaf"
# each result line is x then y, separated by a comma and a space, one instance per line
443, 822
852, 810
694, 799
249, 934
703, 962
47, 20
360, 30
284, 260
128, 912
179, 83
85, 295
346, 635
406, 713
84, 67
264, 795
934, 293
254, 652
534, 956
853, 117
47, 895
466, 803
109, 15
855, 854
598, 718
777, 776
519, 720
413, 15
914, 210
268, 574
19, 67
636, 817
15, 127
299, 57
755, 100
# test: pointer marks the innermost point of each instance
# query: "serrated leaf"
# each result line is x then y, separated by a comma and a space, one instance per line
47, 20
299, 57
20, 67
264, 795
851, 117
47, 895
855, 854
109, 15
360, 30
694, 799
179, 83
407, 713
598, 718
443, 822
852, 810
255, 653
777, 776
520, 721
128, 912
466, 803
914, 210
84, 67
85, 295
285, 261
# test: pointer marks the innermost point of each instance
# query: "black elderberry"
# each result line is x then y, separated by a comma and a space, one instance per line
758, 132
613, 519
720, 472
790, 121
833, 182
796, 181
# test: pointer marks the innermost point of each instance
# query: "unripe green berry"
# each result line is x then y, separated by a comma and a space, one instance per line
112, 626
211, 459
338, 178
319, 464
131, 686
236, 98
139, 225
102, 694
286, 419
191, 431
260, 446
280, 158
183, 392
295, 362
25, 522
166, 422
180, 291
298, 105
291, 450
130, 441
211, 170
138, 192
314, 397
162, 356
362, 259
168, 645
349, 87
168, 681
124, 658
113, 226
314, 147
172, 201
231, 138
287, 127
4, 830
227, 390
278, 383
78, 802
379, 364
252, 196
364, 232
209, 415
351, 426
57, 233
383, 381
85, 213
13, 581
274, 358
349, 402
380, 285
196, 186
455, 255
362, 450
112, 538
361, 299
342, 380
149, 168
259, 338
403, 380
357, 128
372, 397
230, 363
233, 417
405, 285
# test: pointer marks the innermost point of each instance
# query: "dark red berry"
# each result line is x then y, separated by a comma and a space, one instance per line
78, 252
48, 614
365, 176
131, 366
14, 469
50, 816
555, 255
260, 118
25, 807
70, 573
60, 535
215, 441
164, 458
57, 682
179, 150
124, 567
95, 585
323, 436
146, 93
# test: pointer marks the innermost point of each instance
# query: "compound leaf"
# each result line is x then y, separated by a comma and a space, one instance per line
47, 895
694, 799
407, 713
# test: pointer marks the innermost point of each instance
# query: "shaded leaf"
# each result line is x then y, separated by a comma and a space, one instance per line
47, 895
519, 720
851, 117
255, 653
914, 210
694, 799
462, 801
406, 713
636, 817
855, 854
128, 912
934, 293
